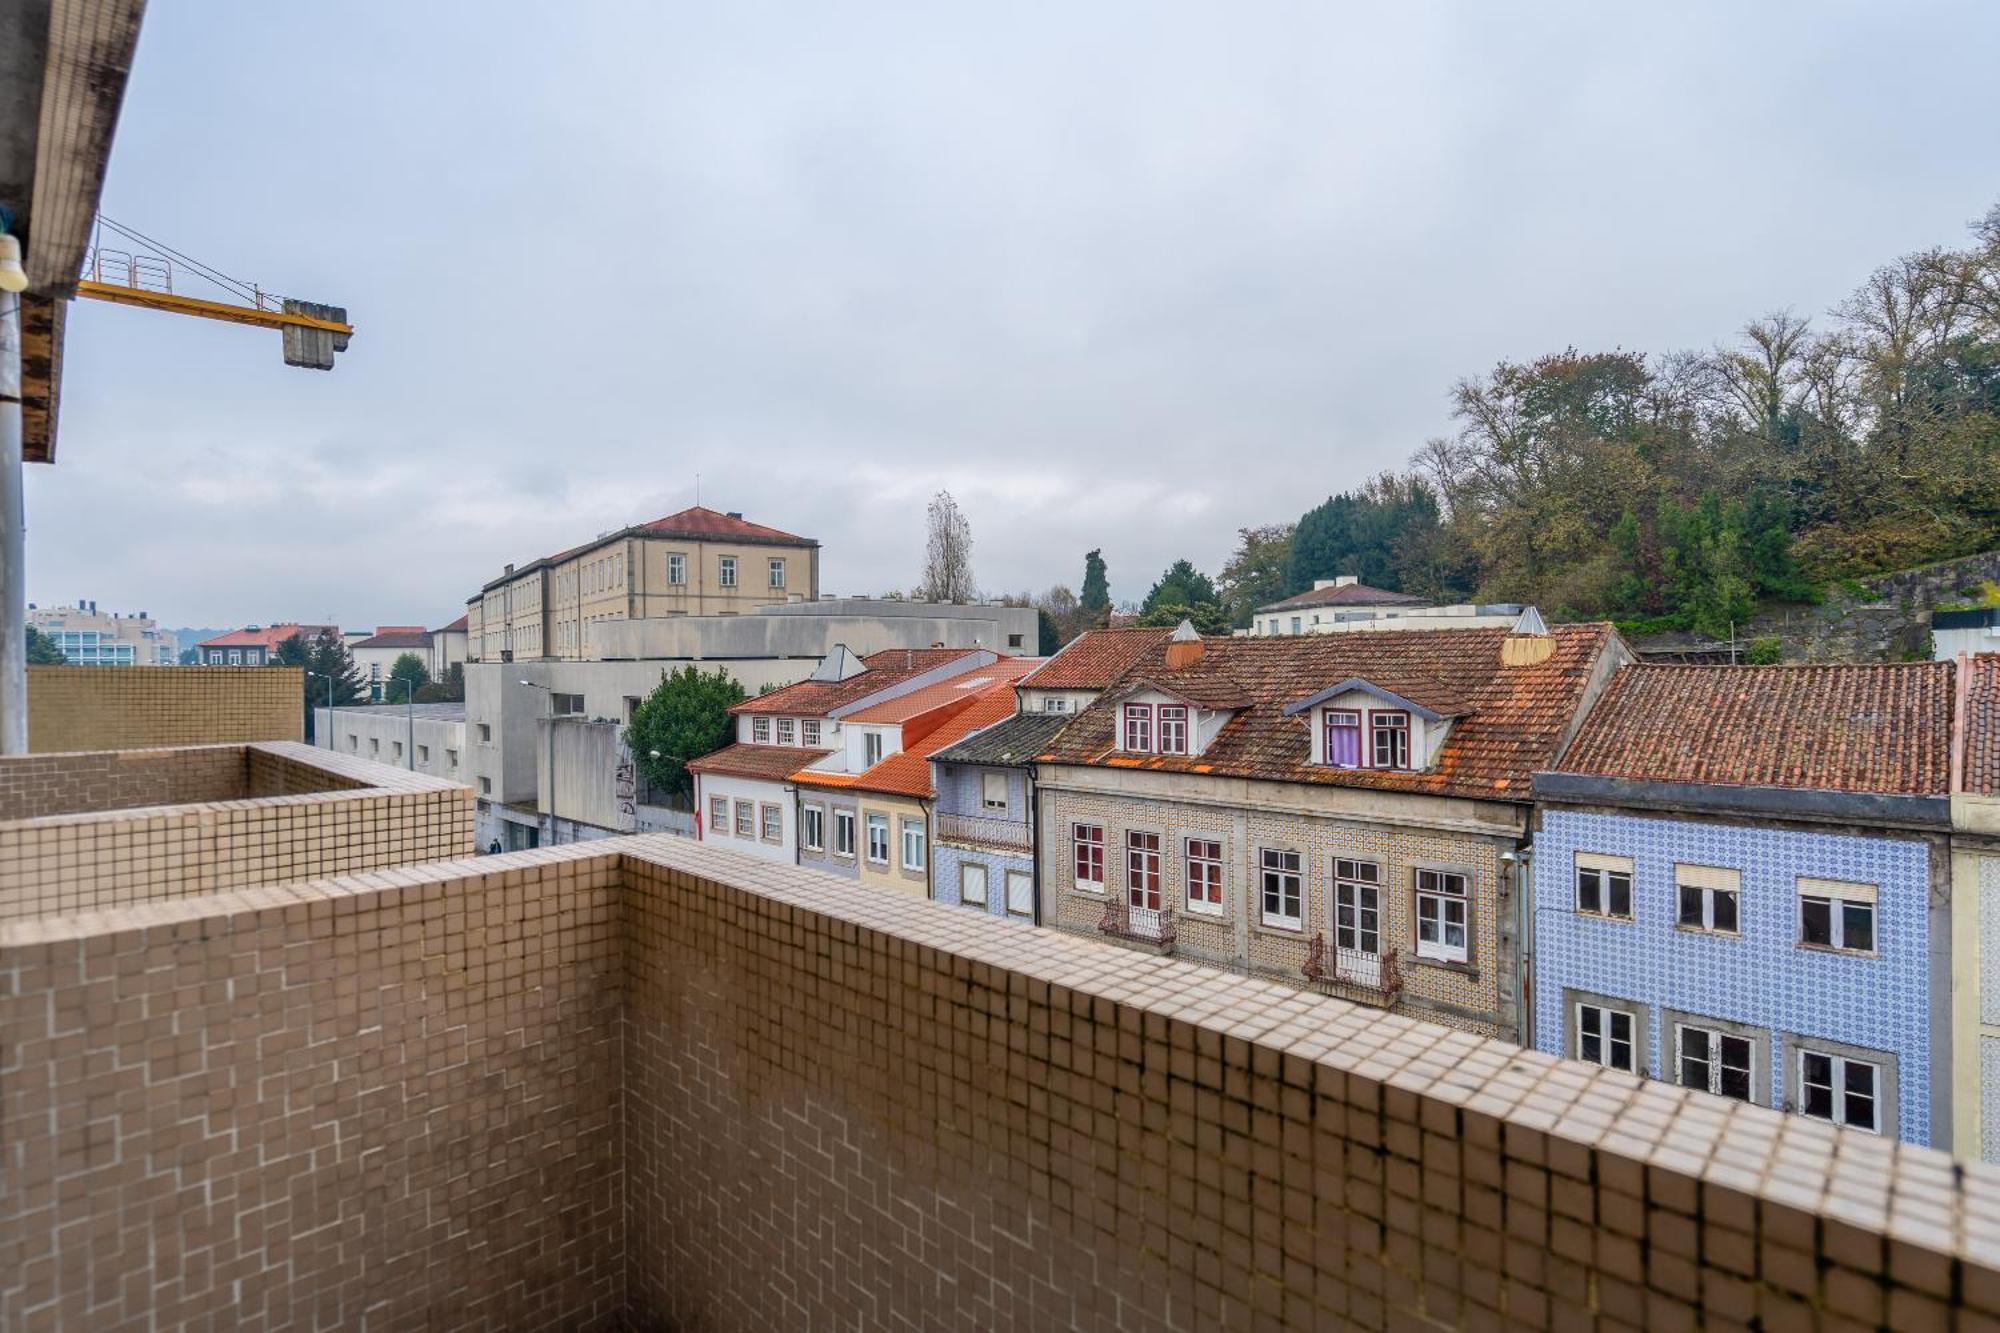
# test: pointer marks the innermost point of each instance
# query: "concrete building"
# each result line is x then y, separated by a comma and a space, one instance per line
426, 738
697, 562
449, 647
376, 654
1742, 885
1341, 811
256, 645
1345, 604
1956, 634
89, 637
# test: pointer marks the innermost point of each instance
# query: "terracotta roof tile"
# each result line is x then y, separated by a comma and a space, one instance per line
1510, 720
397, 636
817, 698
1982, 725
771, 763
1859, 727
959, 689
267, 636
908, 771
702, 524
1096, 658
1346, 594
457, 626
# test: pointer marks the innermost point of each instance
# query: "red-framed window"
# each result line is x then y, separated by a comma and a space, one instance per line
1142, 870
1138, 728
1087, 842
1173, 726
1204, 875
1343, 737
1389, 738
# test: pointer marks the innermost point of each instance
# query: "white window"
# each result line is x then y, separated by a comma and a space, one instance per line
1604, 885
1840, 1088
760, 730
1142, 870
843, 833
1837, 915
1443, 916
1020, 893
677, 569
809, 731
871, 748
1607, 1036
787, 731
1173, 729
1714, 1061
746, 820
812, 828
878, 839
1204, 875
1281, 888
774, 823
728, 579
1708, 898
1138, 728
236, 658
1295, 624
777, 572
993, 791
1087, 856
1054, 704
1357, 906
718, 814
972, 884
1390, 732
913, 844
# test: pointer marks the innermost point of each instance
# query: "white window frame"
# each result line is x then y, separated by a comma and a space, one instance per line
787, 731
843, 833
746, 819
725, 575
760, 730
1272, 874
1021, 904
1435, 899
1179, 718
878, 823
1135, 734
1054, 703
1077, 842
871, 748
1601, 874
987, 801
1606, 1016
768, 814
677, 570
1392, 724
1144, 875
1360, 877
776, 571
236, 657
809, 731
914, 836
1837, 1090
1717, 1037
718, 815
1713, 883
812, 827
1212, 871
968, 871
1838, 897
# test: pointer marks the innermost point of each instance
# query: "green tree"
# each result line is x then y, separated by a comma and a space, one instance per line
1255, 575
1370, 533
1048, 637
686, 716
321, 658
1094, 603
42, 650
1207, 617
190, 657
407, 672
446, 689
1181, 585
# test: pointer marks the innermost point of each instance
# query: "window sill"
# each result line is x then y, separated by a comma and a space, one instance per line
1207, 913
1093, 888
1710, 934
1833, 952
1604, 916
1453, 965
1287, 927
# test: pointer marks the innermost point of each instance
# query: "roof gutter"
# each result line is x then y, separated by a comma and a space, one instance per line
1881, 808
1961, 676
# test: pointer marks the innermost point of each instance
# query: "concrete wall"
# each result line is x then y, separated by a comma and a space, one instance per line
73, 709
383, 735
648, 1085
593, 780
811, 630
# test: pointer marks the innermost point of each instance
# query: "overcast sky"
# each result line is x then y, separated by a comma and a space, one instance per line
1119, 275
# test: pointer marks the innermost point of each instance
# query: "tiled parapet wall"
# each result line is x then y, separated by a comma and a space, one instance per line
84, 708
655, 1082
227, 817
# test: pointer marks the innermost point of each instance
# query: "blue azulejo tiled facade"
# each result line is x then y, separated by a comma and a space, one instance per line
1807, 1019
982, 837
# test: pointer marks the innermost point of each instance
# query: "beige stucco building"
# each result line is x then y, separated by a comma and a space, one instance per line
694, 563
89, 637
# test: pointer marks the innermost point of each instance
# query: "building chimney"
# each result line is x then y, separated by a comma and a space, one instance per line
1184, 647
1529, 643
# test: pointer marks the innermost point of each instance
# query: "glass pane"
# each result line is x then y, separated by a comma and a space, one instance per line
1724, 909
1618, 889
1857, 926
1690, 906
1592, 1047
1735, 1081
1590, 1019
1587, 899
1816, 921
1859, 1102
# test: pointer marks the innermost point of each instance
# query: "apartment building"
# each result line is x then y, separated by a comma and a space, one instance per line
376, 655
745, 792
89, 637
1341, 811
697, 562
1345, 604
1742, 884
256, 645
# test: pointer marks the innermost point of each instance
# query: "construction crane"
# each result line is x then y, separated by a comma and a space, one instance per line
145, 277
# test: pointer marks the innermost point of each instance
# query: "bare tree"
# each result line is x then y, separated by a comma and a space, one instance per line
948, 553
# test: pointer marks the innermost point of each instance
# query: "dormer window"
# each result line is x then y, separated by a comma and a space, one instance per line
1173, 720
1390, 736
1138, 728
1343, 738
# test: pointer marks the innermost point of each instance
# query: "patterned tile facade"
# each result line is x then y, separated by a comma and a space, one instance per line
69, 709
1762, 979
966, 830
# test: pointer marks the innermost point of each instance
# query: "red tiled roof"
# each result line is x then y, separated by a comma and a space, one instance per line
1860, 727
267, 636
397, 636
1981, 776
1345, 594
958, 689
770, 763
699, 524
1096, 658
458, 626
1509, 719
908, 771
817, 698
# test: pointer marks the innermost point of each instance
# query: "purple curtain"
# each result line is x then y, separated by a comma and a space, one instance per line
1343, 744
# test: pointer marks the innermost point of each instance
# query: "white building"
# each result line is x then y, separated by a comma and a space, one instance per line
1345, 604
429, 738
89, 637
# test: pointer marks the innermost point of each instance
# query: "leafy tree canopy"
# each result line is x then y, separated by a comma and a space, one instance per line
42, 650
1095, 599
686, 716
1181, 585
407, 672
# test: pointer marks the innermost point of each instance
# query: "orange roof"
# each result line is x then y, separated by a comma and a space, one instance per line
908, 772
458, 625
697, 522
267, 636
1096, 658
770, 763
959, 689
817, 698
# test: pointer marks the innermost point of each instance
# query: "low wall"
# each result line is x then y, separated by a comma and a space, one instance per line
140, 708
660, 1083
220, 818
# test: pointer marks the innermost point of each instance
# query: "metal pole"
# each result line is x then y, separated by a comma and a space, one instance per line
13, 544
